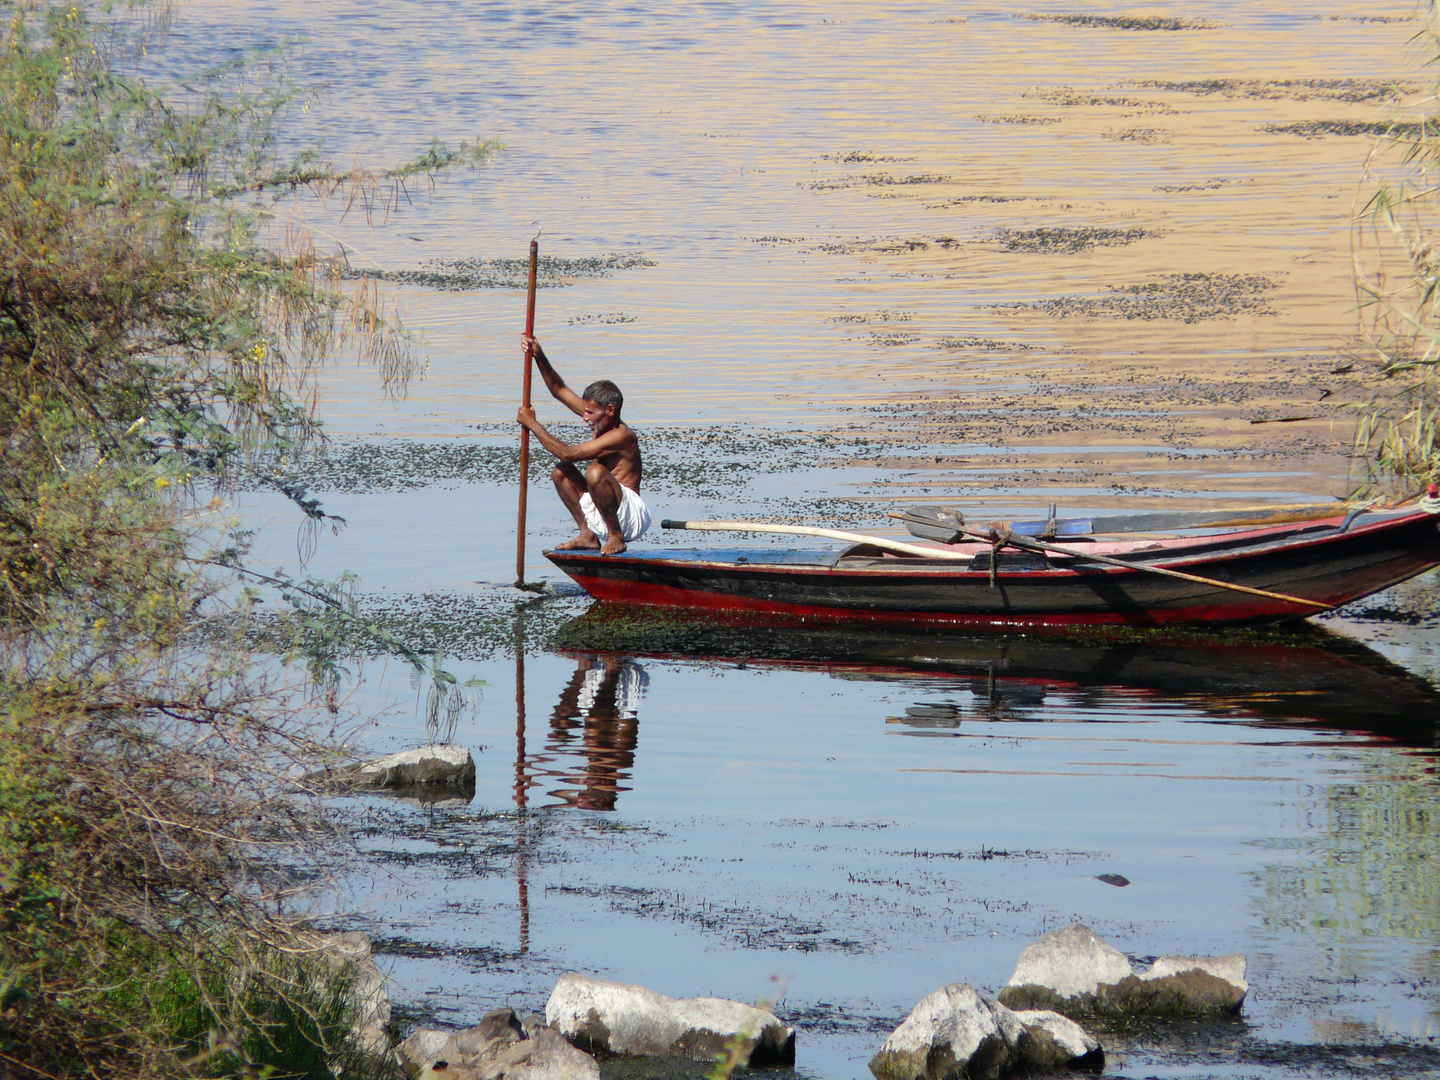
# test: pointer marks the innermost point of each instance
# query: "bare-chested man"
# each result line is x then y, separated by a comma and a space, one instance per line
605, 499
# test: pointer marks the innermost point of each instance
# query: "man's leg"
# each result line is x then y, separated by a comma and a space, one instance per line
570, 485
607, 494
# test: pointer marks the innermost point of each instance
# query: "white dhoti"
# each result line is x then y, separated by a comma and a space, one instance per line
633, 514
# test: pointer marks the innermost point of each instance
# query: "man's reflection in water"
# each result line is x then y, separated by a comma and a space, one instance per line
597, 717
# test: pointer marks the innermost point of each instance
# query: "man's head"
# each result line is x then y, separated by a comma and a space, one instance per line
603, 402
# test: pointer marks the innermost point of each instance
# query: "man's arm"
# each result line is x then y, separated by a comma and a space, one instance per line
553, 382
612, 440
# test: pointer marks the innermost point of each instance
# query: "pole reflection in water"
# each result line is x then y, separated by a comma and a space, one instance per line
522, 853
597, 721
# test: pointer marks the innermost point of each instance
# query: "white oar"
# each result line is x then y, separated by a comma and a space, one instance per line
805, 530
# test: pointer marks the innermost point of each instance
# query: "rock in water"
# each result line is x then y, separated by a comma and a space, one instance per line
1191, 986
1052, 1041
958, 1032
622, 1019
951, 1033
1076, 973
439, 763
1073, 962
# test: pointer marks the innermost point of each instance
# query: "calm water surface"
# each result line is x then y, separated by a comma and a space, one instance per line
888, 252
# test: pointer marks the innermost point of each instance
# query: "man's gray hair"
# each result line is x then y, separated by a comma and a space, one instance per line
604, 392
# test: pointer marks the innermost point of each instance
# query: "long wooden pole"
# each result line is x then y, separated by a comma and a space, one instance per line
525, 432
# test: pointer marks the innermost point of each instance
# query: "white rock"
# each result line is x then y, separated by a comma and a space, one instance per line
1076, 972
436, 764
1229, 968
951, 1033
1063, 1040
631, 1020
1070, 962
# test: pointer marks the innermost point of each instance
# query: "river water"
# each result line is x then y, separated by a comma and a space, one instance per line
842, 256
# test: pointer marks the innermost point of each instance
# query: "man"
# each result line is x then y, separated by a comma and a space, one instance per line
605, 499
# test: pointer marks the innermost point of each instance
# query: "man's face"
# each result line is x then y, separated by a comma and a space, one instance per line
601, 418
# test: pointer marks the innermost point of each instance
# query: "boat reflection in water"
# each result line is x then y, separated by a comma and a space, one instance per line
1307, 677
590, 745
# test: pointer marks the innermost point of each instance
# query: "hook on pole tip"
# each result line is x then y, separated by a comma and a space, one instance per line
537, 230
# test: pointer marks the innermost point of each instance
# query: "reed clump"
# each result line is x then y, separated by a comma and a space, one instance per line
1397, 290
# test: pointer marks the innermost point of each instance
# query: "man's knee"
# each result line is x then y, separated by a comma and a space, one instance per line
557, 474
596, 474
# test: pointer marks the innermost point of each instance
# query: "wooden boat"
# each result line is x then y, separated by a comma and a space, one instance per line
1013, 582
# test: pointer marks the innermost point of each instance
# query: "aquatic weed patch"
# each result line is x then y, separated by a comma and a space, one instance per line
1142, 135
1063, 239
873, 317
1318, 129
880, 179
994, 119
708, 462
1188, 297
860, 157
1204, 185
745, 926
474, 626
605, 318
1352, 90
1069, 98
989, 344
465, 275
1125, 22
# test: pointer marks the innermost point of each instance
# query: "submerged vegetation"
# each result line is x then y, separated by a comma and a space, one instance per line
1189, 297
1127, 22
1067, 239
154, 842
461, 275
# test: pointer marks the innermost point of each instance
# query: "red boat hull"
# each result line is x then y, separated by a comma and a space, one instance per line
1331, 563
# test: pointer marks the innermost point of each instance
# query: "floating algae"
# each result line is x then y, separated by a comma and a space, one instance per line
1047, 241
1018, 119
1142, 135
1318, 129
1067, 97
1354, 90
465, 275
1127, 22
880, 179
1185, 297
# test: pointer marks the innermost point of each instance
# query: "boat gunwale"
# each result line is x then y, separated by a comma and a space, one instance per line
1287, 536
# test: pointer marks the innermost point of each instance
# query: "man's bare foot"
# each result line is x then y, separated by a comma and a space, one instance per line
613, 546
586, 541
